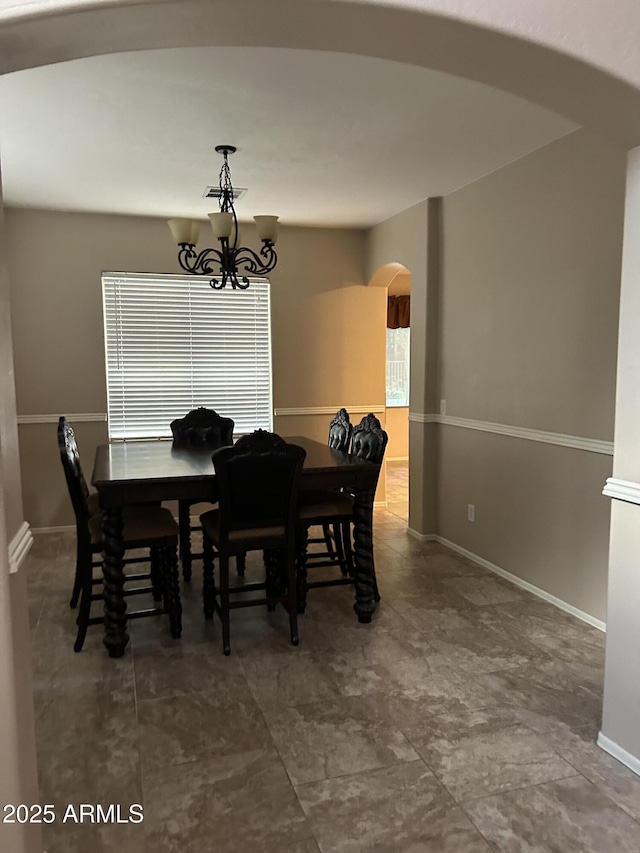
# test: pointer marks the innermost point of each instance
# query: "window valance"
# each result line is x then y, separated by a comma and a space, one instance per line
398, 312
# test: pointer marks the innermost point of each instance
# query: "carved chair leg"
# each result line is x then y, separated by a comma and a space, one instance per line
184, 523
292, 593
224, 602
348, 550
328, 542
77, 581
241, 563
376, 594
271, 566
301, 568
156, 573
84, 612
171, 586
208, 585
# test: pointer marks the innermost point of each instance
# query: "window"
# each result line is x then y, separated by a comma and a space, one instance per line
172, 344
398, 367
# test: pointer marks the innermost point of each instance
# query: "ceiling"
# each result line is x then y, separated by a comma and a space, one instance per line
323, 138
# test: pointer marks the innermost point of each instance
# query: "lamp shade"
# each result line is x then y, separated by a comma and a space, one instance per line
182, 230
195, 231
221, 224
267, 227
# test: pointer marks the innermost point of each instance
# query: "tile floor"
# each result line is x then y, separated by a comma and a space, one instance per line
462, 720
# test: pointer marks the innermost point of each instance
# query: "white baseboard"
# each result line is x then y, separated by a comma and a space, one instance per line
397, 459
541, 593
65, 528
514, 579
19, 547
619, 753
422, 537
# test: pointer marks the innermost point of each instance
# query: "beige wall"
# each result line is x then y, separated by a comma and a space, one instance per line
529, 305
397, 419
18, 777
328, 329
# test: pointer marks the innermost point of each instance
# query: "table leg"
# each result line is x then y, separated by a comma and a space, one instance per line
363, 557
115, 606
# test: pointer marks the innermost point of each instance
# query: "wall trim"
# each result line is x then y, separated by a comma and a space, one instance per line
85, 417
397, 459
514, 579
622, 490
619, 753
328, 410
65, 528
576, 442
420, 418
421, 537
19, 547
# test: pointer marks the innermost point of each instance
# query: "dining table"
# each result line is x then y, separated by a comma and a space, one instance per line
134, 472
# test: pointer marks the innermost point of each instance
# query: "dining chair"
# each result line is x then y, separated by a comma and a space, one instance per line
335, 536
200, 429
150, 527
368, 441
257, 492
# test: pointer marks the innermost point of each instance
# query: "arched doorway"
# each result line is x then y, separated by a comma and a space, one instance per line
396, 278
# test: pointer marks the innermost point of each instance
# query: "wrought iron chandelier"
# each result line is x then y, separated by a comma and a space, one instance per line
229, 257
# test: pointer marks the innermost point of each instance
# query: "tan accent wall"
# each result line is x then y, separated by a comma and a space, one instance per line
397, 418
529, 309
412, 238
327, 328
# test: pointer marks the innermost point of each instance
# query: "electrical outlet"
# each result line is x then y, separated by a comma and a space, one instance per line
443, 407
471, 512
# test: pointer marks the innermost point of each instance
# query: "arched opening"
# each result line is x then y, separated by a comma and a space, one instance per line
396, 279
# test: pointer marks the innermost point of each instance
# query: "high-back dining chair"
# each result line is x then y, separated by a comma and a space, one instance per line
200, 429
257, 490
149, 527
368, 442
334, 535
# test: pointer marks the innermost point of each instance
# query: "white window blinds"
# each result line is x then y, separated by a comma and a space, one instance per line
172, 343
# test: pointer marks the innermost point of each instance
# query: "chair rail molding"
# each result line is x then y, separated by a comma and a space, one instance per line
576, 442
329, 410
84, 417
421, 418
622, 490
19, 547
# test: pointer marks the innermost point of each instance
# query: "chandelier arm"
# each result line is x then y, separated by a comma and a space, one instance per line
198, 263
229, 276
251, 262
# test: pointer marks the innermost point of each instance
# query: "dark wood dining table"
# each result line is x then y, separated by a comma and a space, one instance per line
142, 471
